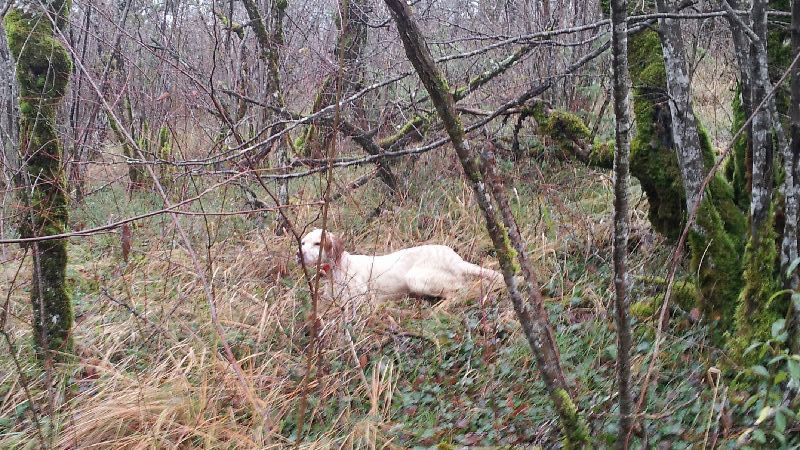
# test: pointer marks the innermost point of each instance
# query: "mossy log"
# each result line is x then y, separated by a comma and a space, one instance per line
43, 69
570, 135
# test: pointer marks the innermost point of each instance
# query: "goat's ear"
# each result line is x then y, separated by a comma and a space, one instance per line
334, 247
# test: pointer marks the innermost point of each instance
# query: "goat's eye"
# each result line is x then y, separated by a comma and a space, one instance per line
316, 243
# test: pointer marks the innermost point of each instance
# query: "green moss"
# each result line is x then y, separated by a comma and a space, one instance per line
56, 316
658, 173
653, 160
716, 243
644, 309
417, 123
166, 171
715, 257
566, 130
570, 134
43, 68
509, 251
602, 155
757, 310
737, 169
25, 107
685, 295
43, 64
313, 141
576, 433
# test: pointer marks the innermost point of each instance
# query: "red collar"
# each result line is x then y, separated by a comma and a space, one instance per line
325, 269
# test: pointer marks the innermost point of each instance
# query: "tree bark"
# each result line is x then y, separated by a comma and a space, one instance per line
43, 70
352, 24
741, 176
9, 114
790, 229
755, 312
684, 128
533, 319
619, 50
761, 194
277, 41
791, 182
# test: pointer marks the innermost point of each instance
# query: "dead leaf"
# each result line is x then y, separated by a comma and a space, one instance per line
727, 422
472, 438
519, 409
125, 239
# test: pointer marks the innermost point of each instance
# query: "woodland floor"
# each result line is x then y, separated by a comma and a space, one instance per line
410, 373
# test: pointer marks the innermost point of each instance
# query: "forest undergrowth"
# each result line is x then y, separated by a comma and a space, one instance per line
150, 373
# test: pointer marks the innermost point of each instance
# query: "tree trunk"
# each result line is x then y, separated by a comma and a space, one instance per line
352, 24
619, 50
9, 114
716, 242
684, 129
790, 228
755, 311
533, 319
277, 41
761, 194
741, 164
43, 70
791, 160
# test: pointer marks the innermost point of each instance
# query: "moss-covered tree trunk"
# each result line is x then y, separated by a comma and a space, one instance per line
716, 242
9, 113
757, 309
43, 68
739, 165
532, 316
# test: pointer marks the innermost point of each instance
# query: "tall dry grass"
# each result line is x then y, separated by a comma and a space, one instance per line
150, 373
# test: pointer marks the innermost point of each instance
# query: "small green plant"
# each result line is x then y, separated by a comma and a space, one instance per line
771, 380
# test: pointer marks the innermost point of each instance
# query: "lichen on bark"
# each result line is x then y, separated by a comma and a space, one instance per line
43, 68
